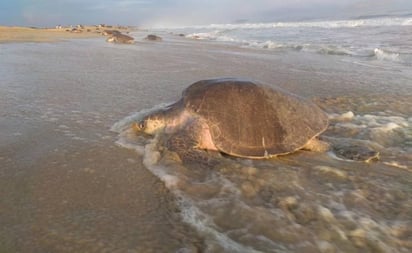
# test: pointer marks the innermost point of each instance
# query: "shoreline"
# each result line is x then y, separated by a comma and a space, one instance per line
67, 185
13, 34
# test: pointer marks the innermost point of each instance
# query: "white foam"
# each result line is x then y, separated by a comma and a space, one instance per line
348, 23
192, 215
204, 209
342, 117
151, 155
381, 54
126, 144
334, 171
336, 51
407, 22
212, 35
396, 165
300, 36
325, 246
189, 210
380, 129
312, 47
388, 127
172, 179
326, 214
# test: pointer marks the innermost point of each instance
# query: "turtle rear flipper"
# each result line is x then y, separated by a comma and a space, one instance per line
354, 150
316, 145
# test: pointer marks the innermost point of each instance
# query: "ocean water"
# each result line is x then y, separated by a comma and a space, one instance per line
382, 41
306, 202
74, 176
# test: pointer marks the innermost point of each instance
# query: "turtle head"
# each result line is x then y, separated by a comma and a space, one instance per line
154, 122
159, 120
150, 124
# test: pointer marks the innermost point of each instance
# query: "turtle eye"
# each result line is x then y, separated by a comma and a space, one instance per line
142, 124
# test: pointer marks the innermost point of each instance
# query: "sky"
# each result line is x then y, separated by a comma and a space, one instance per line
163, 13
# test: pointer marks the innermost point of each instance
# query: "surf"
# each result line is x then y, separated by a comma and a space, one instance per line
242, 205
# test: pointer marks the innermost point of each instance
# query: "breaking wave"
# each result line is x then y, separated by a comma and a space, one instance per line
388, 21
369, 39
372, 53
385, 55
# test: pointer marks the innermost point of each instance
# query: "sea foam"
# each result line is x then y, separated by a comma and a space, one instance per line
348, 23
240, 207
385, 55
178, 183
339, 38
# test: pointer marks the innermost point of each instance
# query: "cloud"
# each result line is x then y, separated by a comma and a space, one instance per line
186, 12
365, 7
46, 12
183, 12
119, 5
50, 12
222, 11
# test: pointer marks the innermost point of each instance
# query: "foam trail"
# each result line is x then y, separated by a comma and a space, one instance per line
235, 190
190, 213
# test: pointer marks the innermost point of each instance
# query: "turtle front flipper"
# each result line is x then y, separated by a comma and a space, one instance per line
186, 143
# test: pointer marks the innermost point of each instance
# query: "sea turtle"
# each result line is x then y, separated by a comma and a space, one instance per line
110, 32
240, 118
120, 38
153, 37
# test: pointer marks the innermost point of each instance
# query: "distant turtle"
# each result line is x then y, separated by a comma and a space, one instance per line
239, 118
153, 37
110, 32
120, 38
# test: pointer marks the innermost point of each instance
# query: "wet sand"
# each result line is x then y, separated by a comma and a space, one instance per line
65, 186
84, 198
25, 34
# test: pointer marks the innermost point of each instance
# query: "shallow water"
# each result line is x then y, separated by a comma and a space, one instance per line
377, 40
305, 202
66, 186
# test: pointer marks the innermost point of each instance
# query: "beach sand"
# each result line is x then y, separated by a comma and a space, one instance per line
84, 198
66, 186
26, 34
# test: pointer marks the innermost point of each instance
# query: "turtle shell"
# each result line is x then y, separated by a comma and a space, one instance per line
248, 119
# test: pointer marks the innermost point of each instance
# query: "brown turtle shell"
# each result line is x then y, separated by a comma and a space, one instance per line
248, 119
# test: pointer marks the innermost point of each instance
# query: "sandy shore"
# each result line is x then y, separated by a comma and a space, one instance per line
26, 34
66, 186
